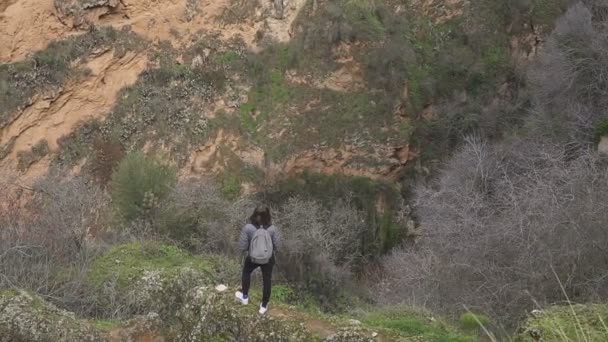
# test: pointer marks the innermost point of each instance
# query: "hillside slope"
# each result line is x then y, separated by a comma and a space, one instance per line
175, 298
351, 87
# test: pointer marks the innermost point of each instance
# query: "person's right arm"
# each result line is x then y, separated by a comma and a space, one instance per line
244, 239
276, 238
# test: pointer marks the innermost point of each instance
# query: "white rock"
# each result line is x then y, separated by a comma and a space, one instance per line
374, 334
536, 313
221, 288
354, 322
602, 148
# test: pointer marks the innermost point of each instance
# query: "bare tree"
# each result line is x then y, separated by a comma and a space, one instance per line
570, 78
498, 221
44, 239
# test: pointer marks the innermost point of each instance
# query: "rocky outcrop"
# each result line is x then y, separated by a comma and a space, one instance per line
210, 314
79, 13
26, 317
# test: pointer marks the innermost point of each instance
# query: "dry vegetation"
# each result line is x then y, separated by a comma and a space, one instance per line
518, 210
504, 223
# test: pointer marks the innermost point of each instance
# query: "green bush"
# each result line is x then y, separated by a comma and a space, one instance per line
601, 129
230, 186
363, 16
139, 183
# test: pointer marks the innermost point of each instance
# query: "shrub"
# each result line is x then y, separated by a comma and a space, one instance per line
356, 201
139, 184
37, 152
601, 130
314, 254
108, 153
44, 243
231, 186
363, 17
198, 216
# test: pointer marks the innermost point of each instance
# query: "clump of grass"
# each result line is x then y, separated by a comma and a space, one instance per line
407, 323
106, 324
575, 322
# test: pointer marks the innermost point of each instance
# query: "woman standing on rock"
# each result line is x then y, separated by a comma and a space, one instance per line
260, 239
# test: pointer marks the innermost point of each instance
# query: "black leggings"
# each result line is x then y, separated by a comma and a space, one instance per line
266, 277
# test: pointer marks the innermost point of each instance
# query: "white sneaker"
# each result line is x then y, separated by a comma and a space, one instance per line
263, 309
240, 298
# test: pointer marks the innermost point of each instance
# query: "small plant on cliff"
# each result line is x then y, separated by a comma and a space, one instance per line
37, 152
139, 183
601, 129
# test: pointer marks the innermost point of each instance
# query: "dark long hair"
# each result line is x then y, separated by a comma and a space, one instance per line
261, 217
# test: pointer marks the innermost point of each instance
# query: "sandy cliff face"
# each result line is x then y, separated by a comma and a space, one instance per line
28, 26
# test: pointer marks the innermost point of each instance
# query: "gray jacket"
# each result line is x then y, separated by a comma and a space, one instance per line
247, 235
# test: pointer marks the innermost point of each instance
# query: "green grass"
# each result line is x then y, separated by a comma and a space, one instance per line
406, 323
227, 57
126, 263
266, 99
281, 293
579, 322
106, 324
328, 188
